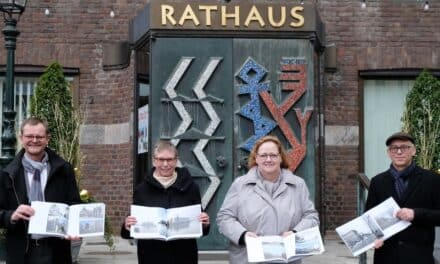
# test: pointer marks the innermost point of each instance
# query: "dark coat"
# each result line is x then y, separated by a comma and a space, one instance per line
60, 187
414, 244
150, 193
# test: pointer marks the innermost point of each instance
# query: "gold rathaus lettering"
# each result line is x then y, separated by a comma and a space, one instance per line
167, 12
294, 12
275, 16
235, 16
188, 14
282, 20
254, 15
208, 9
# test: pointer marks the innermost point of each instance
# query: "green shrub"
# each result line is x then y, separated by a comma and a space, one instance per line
422, 119
52, 101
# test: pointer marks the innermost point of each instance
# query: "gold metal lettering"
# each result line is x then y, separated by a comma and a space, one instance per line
282, 20
208, 9
294, 12
167, 12
254, 15
235, 16
188, 14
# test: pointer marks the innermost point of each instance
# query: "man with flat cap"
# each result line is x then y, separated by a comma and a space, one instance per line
417, 191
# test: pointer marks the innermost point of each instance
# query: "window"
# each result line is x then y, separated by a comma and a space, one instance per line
384, 103
24, 89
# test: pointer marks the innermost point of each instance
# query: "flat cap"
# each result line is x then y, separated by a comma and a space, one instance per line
400, 136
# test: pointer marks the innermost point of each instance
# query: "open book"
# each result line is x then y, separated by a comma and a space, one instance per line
58, 219
166, 224
278, 249
379, 222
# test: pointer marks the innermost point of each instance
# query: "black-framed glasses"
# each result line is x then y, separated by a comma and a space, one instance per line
403, 148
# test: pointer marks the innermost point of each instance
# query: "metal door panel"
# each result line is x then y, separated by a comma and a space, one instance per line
274, 94
192, 106
215, 97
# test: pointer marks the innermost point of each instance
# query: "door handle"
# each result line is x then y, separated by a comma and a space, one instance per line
221, 161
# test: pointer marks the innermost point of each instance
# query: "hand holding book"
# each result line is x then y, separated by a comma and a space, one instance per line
166, 224
69, 222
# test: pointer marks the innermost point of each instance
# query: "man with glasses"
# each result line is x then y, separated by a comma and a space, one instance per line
36, 174
417, 191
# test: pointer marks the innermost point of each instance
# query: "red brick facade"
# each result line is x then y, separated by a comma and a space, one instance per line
388, 34
385, 35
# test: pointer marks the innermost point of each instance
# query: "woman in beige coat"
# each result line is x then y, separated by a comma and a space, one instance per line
268, 200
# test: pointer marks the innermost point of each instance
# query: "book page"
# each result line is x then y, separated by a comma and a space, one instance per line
380, 221
87, 220
384, 215
308, 242
183, 222
270, 248
254, 248
50, 219
151, 222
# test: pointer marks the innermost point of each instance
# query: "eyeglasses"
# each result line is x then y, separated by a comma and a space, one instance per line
272, 156
403, 148
163, 160
34, 137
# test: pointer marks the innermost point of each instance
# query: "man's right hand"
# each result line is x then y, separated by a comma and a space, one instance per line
129, 221
378, 243
22, 212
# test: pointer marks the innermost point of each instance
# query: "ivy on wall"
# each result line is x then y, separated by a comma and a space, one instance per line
421, 119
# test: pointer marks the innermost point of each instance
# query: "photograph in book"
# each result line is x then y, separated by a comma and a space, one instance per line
284, 249
91, 219
57, 219
379, 222
270, 248
308, 242
166, 224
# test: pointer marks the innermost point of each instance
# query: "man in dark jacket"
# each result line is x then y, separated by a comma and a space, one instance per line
36, 173
417, 191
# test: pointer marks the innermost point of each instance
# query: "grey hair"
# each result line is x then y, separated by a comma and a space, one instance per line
164, 145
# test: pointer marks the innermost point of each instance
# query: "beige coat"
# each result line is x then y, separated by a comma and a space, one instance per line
248, 207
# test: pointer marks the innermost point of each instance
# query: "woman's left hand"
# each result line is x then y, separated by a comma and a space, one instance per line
204, 218
287, 233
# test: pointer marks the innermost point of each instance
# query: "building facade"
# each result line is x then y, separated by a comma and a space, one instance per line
358, 64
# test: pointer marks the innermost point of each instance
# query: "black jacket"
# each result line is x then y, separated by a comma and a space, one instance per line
414, 244
182, 193
60, 187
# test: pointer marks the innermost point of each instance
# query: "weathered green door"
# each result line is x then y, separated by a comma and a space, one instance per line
214, 97
192, 105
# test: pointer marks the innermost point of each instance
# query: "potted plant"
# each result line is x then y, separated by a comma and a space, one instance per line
53, 101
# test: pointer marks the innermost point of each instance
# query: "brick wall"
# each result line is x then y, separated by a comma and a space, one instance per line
73, 34
385, 35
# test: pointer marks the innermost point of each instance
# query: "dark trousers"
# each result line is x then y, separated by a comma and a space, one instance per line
40, 252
